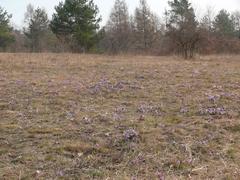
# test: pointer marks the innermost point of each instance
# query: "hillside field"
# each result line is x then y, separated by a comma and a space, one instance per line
66, 116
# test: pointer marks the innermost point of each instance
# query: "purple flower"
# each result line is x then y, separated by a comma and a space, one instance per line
130, 134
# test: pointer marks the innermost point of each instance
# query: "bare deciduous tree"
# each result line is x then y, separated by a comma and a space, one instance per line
146, 27
118, 31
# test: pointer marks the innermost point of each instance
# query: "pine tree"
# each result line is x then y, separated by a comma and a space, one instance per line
76, 22
224, 24
182, 27
6, 36
37, 29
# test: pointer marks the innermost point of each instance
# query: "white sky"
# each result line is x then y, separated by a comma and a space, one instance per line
18, 7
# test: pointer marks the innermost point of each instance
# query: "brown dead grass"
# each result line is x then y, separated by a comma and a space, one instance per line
119, 117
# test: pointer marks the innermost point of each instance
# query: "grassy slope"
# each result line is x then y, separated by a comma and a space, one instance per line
71, 116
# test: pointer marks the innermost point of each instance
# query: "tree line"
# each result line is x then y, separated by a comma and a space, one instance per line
74, 27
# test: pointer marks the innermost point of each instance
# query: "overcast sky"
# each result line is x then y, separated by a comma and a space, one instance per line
18, 7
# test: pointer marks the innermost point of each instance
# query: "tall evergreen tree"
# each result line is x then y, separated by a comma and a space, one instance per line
76, 22
182, 27
37, 29
224, 24
6, 36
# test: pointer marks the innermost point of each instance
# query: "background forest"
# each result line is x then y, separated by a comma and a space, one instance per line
74, 27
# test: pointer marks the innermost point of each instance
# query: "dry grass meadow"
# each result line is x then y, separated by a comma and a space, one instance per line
65, 116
